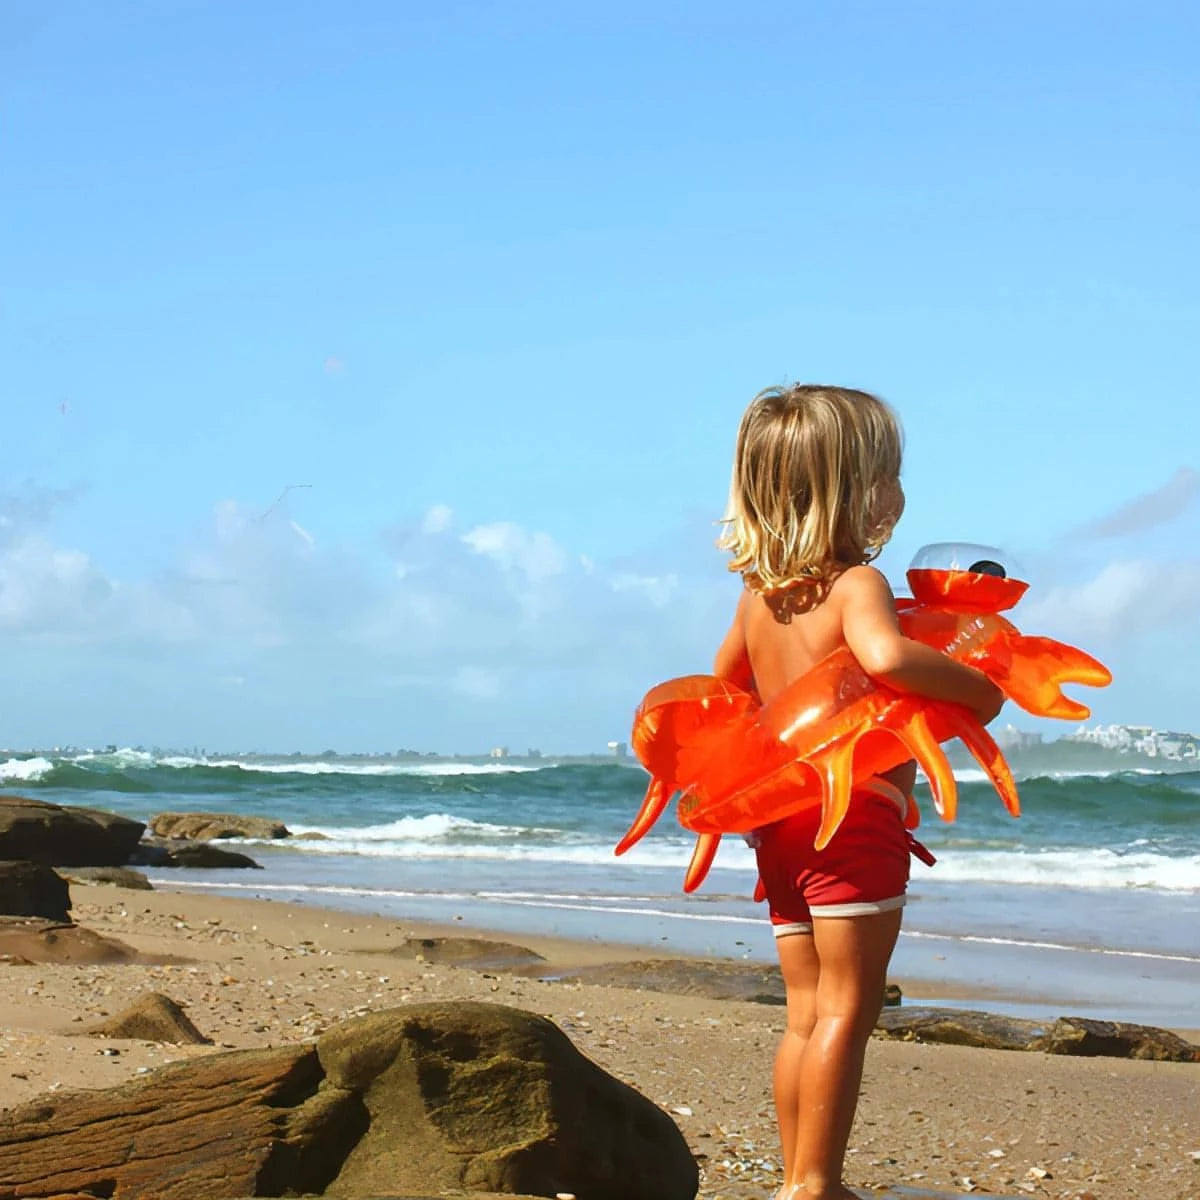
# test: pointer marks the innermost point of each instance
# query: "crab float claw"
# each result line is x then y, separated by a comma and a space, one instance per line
737, 764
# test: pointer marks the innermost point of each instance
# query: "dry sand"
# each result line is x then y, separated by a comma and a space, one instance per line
261, 973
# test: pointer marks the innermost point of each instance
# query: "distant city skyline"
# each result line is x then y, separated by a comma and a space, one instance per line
1133, 739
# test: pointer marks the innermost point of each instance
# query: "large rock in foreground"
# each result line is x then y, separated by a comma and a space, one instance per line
65, 837
415, 1100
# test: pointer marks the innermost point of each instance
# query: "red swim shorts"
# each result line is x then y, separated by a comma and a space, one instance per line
863, 870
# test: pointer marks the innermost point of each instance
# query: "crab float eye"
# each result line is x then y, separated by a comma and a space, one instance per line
987, 566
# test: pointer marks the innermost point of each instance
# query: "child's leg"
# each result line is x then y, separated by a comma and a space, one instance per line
798, 964
853, 954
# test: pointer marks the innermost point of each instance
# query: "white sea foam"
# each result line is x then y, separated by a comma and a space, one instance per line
620, 906
974, 775
125, 757
445, 838
25, 770
407, 830
1029, 944
1081, 868
351, 767
144, 759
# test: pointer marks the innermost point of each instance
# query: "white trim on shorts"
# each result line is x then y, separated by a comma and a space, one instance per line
791, 928
857, 908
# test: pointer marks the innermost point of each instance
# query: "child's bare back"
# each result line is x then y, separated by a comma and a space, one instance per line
787, 633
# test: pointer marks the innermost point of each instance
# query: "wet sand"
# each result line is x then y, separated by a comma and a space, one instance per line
932, 1118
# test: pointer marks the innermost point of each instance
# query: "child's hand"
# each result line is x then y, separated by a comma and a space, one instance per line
991, 701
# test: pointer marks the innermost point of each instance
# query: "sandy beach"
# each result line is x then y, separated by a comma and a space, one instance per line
262, 973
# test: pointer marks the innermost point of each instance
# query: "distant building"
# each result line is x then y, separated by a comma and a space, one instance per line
1140, 739
498, 752
1011, 738
618, 749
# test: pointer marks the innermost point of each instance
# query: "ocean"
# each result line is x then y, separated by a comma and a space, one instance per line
1088, 904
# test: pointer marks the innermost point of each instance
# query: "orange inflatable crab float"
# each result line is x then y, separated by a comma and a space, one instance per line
739, 765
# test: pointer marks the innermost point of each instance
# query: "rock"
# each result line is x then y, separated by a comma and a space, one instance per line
203, 827
154, 1018
211, 1127
23, 942
201, 854
150, 853
29, 889
715, 980
114, 876
414, 1101
158, 853
959, 1027
1117, 1039
496, 1099
65, 837
479, 954
1067, 1035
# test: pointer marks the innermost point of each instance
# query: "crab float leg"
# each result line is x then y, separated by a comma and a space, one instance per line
991, 758
917, 738
702, 859
658, 796
835, 792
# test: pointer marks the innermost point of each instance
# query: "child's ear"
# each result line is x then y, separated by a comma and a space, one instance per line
886, 507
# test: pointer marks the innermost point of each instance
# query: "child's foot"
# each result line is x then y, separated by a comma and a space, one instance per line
797, 1191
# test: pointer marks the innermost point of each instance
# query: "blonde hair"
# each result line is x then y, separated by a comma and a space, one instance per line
815, 485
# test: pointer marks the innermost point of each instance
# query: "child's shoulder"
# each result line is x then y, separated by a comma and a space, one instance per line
861, 583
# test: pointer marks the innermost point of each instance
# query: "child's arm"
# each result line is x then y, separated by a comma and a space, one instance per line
873, 634
732, 661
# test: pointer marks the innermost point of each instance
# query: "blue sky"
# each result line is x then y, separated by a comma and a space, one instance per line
495, 281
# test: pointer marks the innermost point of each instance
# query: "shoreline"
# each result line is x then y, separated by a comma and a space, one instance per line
1012, 972
253, 972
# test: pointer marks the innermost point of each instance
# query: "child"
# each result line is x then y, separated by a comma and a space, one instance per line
814, 497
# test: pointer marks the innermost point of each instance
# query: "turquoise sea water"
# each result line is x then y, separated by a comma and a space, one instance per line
1088, 904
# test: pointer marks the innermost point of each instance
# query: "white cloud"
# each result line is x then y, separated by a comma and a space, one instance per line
1121, 601
658, 589
1153, 508
251, 612
534, 555
31, 508
51, 591
437, 519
